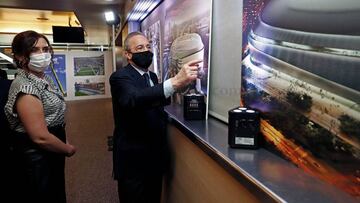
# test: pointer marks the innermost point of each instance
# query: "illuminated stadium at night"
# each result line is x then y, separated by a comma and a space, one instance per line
302, 58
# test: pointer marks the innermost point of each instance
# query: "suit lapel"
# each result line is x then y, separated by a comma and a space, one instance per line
154, 78
139, 80
134, 73
138, 77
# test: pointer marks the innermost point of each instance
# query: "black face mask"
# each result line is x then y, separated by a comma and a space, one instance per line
142, 59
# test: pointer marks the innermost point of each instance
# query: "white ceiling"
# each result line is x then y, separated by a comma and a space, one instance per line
90, 13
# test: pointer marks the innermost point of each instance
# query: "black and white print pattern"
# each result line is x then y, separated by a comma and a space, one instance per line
44, 89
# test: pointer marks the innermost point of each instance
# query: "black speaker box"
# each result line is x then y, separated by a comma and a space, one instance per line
194, 107
244, 128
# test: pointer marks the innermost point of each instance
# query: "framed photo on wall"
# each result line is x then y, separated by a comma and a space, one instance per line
300, 69
187, 28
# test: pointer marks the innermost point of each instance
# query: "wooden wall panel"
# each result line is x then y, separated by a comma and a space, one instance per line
198, 178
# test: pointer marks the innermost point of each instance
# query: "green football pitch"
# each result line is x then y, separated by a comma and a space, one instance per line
85, 71
77, 93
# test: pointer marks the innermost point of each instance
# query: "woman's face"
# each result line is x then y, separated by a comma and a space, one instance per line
41, 46
39, 57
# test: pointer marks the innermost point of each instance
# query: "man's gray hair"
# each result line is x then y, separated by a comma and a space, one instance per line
128, 37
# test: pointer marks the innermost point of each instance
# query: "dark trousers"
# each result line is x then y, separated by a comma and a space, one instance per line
7, 174
140, 189
41, 175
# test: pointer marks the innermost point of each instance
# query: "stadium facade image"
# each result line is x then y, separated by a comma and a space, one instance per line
304, 61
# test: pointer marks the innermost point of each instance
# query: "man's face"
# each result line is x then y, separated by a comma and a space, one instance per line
137, 44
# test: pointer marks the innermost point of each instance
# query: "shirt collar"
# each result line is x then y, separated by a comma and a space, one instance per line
140, 71
40, 82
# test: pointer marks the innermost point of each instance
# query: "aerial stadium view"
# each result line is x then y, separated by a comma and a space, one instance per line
89, 88
86, 66
301, 70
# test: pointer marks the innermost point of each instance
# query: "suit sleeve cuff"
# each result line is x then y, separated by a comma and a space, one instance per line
168, 88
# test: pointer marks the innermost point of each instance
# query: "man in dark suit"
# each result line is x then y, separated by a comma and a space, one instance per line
7, 170
4, 91
140, 152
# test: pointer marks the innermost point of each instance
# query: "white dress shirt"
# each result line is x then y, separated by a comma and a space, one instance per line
168, 87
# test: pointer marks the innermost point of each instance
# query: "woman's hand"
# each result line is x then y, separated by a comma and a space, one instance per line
72, 150
31, 114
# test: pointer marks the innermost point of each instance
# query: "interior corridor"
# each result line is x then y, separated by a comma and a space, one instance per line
89, 171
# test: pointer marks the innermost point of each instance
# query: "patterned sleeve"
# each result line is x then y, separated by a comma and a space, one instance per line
15, 90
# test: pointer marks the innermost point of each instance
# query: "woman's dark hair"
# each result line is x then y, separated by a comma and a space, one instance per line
23, 44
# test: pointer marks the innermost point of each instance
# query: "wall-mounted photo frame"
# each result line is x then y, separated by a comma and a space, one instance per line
185, 33
300, 69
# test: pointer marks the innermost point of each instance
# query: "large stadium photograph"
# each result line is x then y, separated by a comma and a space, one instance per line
87, 66
301, 70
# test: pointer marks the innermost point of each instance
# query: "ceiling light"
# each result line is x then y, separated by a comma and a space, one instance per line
112, 18
109, 16
141, 9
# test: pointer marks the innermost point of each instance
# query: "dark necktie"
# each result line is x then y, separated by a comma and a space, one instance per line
147, 80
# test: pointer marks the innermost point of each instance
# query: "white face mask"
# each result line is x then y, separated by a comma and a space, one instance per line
39, 62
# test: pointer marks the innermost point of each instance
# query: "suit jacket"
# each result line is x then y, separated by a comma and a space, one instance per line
5, 144
140, 146
4, 91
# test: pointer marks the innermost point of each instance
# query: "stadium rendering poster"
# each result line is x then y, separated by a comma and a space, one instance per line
60, 70
301, 70
187, 37
89, 87
89, 66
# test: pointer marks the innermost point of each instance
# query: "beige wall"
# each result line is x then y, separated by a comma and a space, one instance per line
197, 178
